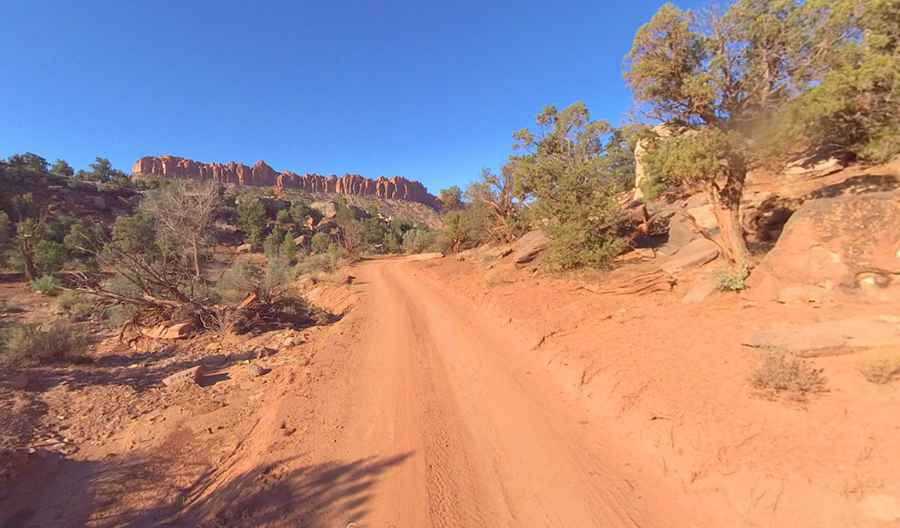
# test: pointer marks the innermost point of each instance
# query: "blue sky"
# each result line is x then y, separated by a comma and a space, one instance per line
427, 90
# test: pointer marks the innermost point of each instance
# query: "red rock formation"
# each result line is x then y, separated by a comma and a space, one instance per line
261, 174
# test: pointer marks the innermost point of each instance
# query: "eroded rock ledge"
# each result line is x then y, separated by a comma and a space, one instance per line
261, 174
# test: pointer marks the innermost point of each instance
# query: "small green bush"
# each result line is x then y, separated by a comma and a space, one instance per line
116, 315
319, 243
327, 262
50, 256
734, 279
237, 281
46, 285
76, 307
29, 344
418, 240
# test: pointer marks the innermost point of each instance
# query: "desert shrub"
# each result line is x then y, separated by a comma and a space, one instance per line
237, 281
571, 170
779, 372
272, 243
76, 307
326, 262
881, 371
278, 274
288, 249
29, 344
243, 278
50, 256
463, 229
252, 220
733, 279
319, 243
116, 315
573, 246
418, 240
46, 285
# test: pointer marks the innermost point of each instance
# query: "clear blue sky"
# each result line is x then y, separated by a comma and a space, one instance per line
427, 90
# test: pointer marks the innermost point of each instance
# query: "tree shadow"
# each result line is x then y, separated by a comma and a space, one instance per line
140, 371
866, 183
152, 492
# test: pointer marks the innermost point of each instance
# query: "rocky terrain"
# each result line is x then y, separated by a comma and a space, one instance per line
262, 175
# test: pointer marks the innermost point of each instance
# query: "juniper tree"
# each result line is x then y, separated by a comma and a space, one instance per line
720, 75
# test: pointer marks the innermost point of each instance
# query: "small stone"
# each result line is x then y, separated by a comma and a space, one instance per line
257, 371
185, 377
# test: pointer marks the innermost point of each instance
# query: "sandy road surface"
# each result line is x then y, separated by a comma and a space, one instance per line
487, 442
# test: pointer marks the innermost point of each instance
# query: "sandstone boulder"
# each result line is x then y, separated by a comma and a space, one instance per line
184, 378
169, 331
681, 233
849, 245
813, 167
529, 246
829, 337
328, 209
704, 217
695, 254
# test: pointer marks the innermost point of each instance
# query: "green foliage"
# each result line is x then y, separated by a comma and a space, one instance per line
50, 256
855, 103
283, 217
252, 220
243, 278
451, 198
491, 201
46, 285
272, 243
301, 211
62, 168
76, 306
327, 262
5, 236
103, 171
135, 233
463, 229
419, 240
572, 179
733, 279
289, 248
81, 238
278, 274
237, 281
27, 344
319, 243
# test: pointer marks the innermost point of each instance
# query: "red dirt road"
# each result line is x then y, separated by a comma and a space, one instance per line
490, 442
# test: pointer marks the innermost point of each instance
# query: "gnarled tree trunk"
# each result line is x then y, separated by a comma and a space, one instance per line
726, 206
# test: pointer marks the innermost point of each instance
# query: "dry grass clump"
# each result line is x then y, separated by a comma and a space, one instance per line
881, 371
780, 372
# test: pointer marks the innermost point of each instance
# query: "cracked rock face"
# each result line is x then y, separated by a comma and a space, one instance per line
262, 175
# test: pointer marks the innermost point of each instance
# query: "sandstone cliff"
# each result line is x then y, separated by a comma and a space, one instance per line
261, 174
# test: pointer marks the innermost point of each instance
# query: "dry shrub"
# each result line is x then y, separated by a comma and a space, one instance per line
780, 372
30, 344
881, 371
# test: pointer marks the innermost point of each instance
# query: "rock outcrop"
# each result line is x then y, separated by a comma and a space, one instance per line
848, 245
262, 175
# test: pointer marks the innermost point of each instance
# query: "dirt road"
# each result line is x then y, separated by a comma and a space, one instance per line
417, 409
488, 442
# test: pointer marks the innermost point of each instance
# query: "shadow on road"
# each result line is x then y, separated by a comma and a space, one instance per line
152, 492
